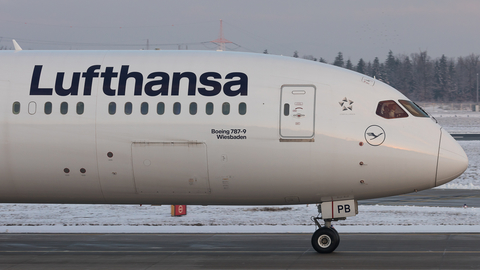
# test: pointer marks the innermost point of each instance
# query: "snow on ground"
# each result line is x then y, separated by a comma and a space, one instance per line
25, 218
460, 123
58, 218
470, 179
458, 120
461, 120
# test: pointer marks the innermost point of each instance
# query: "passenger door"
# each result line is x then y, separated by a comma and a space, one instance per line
297, 111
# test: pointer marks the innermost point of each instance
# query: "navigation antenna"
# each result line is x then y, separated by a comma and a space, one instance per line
221, 41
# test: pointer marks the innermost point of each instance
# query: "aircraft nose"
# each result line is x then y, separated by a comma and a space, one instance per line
452, 160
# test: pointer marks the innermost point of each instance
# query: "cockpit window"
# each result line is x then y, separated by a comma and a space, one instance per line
389, 109
413, 108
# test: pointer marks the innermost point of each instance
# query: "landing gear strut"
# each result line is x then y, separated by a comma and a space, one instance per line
326, 238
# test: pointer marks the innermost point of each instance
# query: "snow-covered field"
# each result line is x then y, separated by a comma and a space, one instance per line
470, 179
223, 219
29, 218
462, 121
456, 121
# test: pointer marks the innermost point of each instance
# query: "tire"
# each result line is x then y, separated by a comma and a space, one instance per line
338, 237
325, 240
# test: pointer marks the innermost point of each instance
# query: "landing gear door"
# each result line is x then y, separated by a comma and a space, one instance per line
297, 112
170, 168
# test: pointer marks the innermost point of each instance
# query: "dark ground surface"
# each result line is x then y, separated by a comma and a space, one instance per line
253, 251
237, 251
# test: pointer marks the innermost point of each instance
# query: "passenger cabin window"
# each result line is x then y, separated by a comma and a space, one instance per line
242, 108
209, 108
128, 108
32, 107
144, 108
413, 108
112, 108
64, 108
226, 108
16, 107
177, 108
389, 109
80, 108
48, 107
286, 109
193, 108
160, 108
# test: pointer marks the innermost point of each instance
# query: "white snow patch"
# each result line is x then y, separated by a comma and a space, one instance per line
55, 218
470, 179
459, 118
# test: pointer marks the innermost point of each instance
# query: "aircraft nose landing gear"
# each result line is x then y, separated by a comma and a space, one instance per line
326, 239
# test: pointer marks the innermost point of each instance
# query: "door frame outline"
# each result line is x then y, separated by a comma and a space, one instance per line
297, 138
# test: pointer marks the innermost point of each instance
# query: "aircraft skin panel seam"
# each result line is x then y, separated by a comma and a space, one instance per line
96, 139
438, 155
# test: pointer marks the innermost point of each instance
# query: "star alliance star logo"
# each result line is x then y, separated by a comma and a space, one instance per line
346, 104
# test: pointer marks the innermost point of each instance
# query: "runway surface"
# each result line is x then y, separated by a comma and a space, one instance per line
237, 251
466, 137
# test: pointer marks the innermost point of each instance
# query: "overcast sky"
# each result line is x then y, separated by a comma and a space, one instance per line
359, 29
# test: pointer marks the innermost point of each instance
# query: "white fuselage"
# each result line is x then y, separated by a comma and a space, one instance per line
216, 131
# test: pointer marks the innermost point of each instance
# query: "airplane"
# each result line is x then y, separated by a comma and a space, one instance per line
211, 128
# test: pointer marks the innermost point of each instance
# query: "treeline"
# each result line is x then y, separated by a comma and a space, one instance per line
420, 77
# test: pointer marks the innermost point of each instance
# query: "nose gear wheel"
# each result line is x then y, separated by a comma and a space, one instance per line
325, 240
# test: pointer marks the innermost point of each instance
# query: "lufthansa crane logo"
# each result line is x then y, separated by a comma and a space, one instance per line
375, 135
